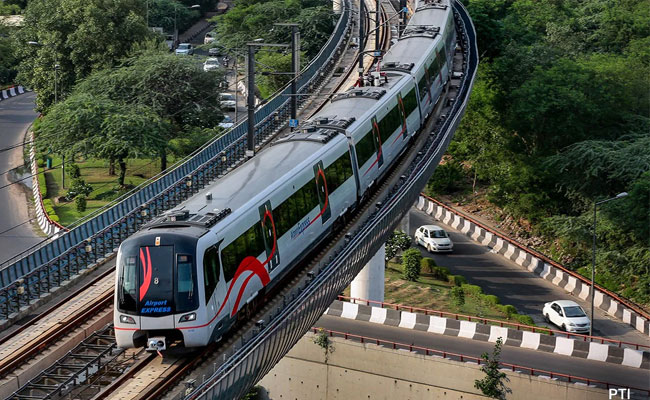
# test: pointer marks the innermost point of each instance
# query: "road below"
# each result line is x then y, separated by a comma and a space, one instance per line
16, 114
513, 284
598, 370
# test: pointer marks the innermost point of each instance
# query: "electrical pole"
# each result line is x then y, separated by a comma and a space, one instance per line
361, 38
251, 100
236, 90
295, 67
377, 29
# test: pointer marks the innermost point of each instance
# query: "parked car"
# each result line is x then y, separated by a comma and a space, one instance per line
185, 49
567, 315
226, 122
433, 238
215, 51
211, 64
227, 101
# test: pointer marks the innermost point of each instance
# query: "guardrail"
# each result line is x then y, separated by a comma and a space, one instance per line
262, 351
28, 277
465, 358
489, 321
628, 303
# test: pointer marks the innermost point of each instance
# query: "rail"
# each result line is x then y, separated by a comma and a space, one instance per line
628, 303
25, 279
465, 358
259, 354
488, 321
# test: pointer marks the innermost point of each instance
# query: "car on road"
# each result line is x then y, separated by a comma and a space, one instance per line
226, 122
567, 315
184, 49
227, 101
433, 238
211, 64
209, 37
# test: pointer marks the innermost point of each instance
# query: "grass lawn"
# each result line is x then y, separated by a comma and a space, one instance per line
94, 173
432, 294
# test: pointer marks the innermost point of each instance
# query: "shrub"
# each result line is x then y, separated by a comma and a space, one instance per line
411, 264
428, 264
523, 319
441, 273
458, 296
490, 299
507, 309
74, 171
54, 218
80, 203
456, 280
79, 188
472, 290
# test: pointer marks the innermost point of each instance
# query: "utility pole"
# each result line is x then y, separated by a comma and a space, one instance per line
236, 91
251, 100
376, 28
361, 38
250, 152
295, 66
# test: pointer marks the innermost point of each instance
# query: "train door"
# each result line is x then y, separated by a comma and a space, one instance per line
323, 194
376, 138
269, 235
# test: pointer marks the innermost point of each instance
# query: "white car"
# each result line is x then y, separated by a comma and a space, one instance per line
184, 49
226, 122
433, 238
209, 37
211, 64
568, 315
227, 101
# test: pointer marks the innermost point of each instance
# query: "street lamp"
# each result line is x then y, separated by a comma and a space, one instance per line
593, 259
175, 9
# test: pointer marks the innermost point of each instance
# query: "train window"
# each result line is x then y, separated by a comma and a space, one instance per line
410, 102
185, 297
389, 124
296, 207
365, 148
338, 172
229, 260
250, 243
128, 285
211, 271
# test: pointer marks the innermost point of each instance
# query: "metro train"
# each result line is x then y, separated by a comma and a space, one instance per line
190, 274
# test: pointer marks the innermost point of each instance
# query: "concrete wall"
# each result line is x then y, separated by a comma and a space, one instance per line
368, 371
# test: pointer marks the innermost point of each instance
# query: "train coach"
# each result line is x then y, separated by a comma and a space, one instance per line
190, 274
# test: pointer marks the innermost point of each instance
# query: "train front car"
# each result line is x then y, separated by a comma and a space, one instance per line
157, 288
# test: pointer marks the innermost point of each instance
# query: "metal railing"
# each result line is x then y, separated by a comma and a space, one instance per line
250, 363
50, 265
489, 321
479, 361
535, 253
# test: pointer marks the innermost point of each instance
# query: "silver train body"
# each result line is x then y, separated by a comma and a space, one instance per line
190, 274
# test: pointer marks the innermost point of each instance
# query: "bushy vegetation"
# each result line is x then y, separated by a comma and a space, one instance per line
396, 243
559, 118
411, 264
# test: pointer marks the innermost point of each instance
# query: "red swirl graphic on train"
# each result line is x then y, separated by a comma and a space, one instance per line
146, 272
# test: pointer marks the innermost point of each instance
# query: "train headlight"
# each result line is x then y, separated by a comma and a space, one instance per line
125, 319
188, 317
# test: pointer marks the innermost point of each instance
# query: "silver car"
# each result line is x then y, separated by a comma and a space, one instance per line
185, 49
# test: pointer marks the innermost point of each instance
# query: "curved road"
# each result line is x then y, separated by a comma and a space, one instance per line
513, 284
16, 114
598, 370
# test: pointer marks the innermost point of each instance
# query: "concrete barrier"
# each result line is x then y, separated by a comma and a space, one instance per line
490, 333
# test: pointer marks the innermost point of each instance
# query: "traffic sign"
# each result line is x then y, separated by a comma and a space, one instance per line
293, 123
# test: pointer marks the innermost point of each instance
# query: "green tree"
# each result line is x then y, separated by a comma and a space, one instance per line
492, 385
411, 264
397, 242
96, 126
81, 36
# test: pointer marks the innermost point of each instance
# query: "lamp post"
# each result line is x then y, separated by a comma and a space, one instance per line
175, 13
593, 258
295, 66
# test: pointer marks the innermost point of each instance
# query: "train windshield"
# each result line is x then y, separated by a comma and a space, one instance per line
154, 281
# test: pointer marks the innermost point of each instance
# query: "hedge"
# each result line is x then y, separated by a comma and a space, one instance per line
490, 298
456, 280
428, 264
472, 290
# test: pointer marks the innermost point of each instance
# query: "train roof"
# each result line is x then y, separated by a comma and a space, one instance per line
249, 179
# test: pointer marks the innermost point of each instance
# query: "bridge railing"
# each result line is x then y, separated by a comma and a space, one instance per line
26, 278
250, 363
